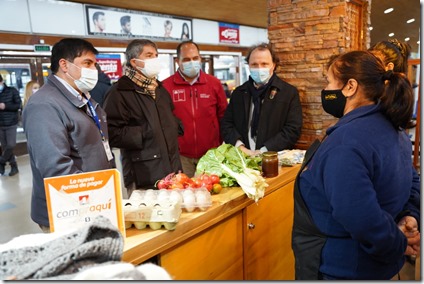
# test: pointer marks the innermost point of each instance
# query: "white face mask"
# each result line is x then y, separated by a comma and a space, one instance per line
152, 67
88, 79
191, 68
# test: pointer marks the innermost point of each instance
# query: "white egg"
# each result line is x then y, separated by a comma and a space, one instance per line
163, 195
188, 192
137, 195
189, 198
175, 197
189, 202
150, 195
190, 207
201, 198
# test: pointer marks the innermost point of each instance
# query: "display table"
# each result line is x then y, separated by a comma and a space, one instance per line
234, 239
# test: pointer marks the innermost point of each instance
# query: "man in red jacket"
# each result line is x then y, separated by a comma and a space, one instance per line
200, 103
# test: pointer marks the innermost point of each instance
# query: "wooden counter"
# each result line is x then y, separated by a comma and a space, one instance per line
234, 239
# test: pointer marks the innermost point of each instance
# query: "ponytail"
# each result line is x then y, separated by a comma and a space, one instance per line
397, 103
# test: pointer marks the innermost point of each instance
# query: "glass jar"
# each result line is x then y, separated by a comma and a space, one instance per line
270, 164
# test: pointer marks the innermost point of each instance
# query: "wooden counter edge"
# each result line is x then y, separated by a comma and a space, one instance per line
140, 245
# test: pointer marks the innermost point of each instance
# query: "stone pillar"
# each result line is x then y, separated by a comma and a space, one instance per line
304, 34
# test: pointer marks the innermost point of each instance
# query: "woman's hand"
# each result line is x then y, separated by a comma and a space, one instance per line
409, 226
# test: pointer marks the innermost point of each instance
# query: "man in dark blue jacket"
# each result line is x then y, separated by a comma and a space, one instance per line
10, 103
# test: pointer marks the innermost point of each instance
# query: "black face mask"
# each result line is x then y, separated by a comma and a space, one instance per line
333, 102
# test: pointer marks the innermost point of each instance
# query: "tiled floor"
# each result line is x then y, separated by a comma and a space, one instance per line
15, 196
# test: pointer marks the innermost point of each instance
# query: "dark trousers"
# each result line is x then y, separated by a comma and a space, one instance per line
8, 143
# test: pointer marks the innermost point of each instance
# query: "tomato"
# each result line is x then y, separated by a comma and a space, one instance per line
176, 185
189, 183
161, 184
208, 186
181, 178
215, 179
206, 179
196, 182
216, 188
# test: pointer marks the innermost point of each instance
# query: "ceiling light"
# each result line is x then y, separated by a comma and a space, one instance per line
410, 21
388, 10
407, 39
370, 28
418, 42
391, 34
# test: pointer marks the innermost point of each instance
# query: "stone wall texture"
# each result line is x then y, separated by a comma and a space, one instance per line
305, 34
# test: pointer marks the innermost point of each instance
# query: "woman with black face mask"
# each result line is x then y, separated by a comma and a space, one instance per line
358, 183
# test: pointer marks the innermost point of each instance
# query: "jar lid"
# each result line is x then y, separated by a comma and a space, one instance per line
270, 154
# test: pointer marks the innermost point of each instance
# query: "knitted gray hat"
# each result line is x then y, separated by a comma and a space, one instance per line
62, 257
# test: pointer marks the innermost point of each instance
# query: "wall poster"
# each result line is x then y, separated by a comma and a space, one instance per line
111, 65
108, 21
229, 33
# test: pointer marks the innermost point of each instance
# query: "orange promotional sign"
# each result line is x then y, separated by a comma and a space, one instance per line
74, 200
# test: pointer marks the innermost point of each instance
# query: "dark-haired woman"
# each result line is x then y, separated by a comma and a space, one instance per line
355, 186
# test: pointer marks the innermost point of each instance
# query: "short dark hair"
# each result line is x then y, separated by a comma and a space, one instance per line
97, 14
263, 46
1, 78
125, 19
181, 44
69, 49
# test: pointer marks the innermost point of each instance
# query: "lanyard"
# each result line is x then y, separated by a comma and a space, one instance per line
95, 118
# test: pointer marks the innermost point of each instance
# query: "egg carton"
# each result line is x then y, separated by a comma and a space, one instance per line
189, 198
153, 213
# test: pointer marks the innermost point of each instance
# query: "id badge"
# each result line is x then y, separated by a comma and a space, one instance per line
107, 150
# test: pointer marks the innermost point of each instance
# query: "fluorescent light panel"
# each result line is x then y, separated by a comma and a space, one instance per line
388, 10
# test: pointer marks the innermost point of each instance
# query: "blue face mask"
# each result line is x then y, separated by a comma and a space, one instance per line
1, 87
191, 68
260, 75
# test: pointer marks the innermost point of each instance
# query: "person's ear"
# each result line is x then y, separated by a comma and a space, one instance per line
134, 65
63, 65
390, 66
351, 87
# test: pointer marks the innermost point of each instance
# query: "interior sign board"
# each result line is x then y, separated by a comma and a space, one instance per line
42, 48
229, 33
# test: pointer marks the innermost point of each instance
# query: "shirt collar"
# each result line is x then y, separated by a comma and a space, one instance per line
74, 92
191, 83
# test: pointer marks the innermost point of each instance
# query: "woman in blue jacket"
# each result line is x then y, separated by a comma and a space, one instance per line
355, 186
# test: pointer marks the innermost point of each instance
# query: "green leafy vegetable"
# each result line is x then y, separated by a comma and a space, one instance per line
234, 168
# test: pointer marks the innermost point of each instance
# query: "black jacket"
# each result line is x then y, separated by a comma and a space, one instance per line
145, 130
11, 98
280, 119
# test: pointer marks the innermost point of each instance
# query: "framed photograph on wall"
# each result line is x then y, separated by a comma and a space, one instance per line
108, 22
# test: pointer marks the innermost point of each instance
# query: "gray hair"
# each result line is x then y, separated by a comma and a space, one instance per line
135, 48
